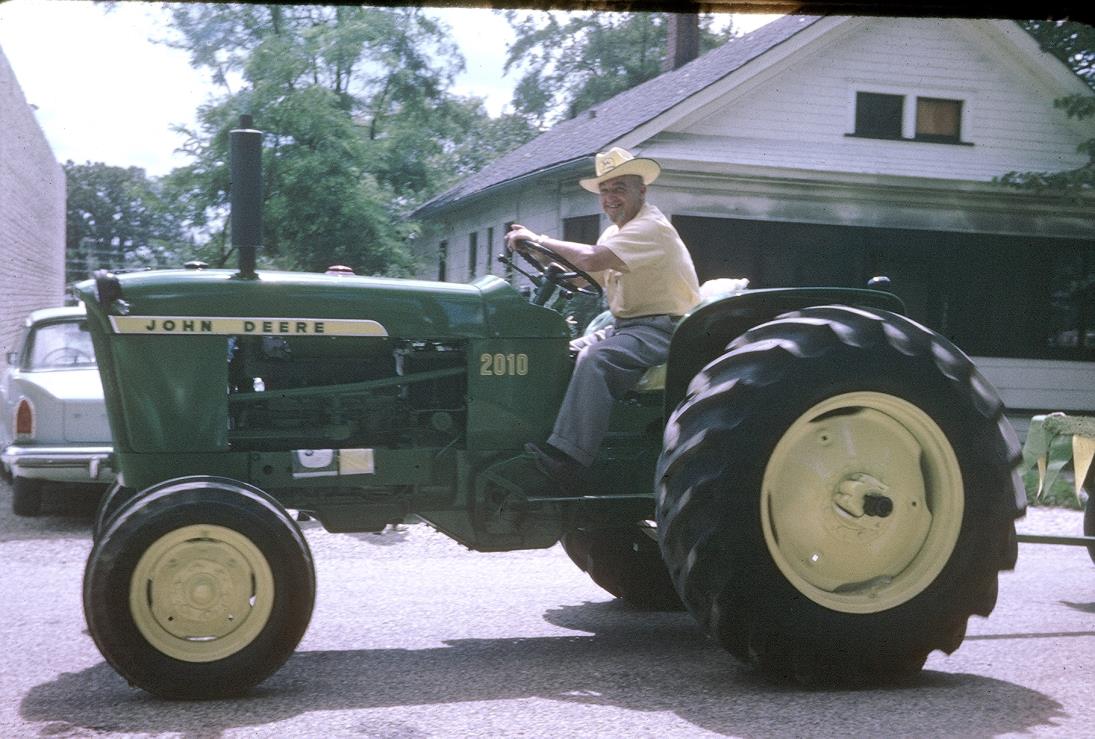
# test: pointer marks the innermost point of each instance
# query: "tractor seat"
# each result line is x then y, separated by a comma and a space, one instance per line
652, 381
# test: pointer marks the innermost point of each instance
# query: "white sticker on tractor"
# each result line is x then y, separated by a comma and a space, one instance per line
333, 462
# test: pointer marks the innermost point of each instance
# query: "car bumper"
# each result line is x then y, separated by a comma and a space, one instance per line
61, 463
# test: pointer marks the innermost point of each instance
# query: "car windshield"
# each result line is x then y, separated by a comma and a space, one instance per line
61, 345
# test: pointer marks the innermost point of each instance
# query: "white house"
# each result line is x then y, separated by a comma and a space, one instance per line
826, 150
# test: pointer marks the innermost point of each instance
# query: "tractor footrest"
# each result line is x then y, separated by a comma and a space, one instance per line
586, 498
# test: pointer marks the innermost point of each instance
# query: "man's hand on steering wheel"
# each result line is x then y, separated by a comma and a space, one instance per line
518, 236
551, 265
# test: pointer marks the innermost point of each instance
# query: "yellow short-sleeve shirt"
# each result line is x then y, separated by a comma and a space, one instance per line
660, 276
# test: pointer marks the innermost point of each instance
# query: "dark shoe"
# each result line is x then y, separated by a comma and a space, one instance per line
559, 467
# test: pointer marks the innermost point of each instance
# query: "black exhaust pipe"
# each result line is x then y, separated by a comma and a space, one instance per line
245, 195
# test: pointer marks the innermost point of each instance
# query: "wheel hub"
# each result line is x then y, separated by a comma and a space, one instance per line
201, 593
861, 495
201, 596
862, 501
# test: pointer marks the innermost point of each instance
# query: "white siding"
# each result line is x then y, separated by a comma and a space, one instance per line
800, 117
1041, 385
536, 208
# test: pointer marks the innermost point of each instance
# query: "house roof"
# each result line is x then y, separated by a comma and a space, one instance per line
577, 139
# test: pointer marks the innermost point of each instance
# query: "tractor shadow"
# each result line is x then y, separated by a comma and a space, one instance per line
639, 661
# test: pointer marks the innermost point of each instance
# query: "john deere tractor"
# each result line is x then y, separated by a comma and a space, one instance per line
828, 487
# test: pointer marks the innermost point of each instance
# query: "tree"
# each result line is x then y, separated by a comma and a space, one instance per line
359, 126
1074, 44
117, 217
573, 61
426, 151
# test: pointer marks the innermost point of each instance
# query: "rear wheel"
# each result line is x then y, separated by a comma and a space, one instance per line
201, 588
26, 496
837, 494
627, 563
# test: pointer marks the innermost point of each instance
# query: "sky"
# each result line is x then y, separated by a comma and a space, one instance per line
105, 91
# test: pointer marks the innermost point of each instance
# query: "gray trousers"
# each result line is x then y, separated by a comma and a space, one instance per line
610, 362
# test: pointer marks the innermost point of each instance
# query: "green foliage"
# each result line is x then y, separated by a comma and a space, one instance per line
1070, 41
1074, 44
359, 127
430, 150
1061, 494
117, 217
1049, 444
573, 61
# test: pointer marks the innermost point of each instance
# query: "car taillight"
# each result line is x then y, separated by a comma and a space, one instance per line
24, 419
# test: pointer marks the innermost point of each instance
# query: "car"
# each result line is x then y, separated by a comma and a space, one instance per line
53, 422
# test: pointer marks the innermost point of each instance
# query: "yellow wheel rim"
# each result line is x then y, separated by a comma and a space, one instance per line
201, 593
862, 502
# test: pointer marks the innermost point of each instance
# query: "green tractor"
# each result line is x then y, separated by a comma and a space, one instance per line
828, 487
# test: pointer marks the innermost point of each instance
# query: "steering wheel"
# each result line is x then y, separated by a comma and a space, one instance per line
66, 355
557, 270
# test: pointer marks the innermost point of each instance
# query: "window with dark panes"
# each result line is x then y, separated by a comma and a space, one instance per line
509, 264
489, 268
582, 229
878, 115
473, 253
442, 258
581, 309
938, 119
1071, 323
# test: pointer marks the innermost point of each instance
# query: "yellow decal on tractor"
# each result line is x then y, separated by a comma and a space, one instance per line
235, 326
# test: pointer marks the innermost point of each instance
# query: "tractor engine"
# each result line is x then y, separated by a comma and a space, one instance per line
301, 392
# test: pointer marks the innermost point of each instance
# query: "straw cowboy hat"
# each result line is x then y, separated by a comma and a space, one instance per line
617, 162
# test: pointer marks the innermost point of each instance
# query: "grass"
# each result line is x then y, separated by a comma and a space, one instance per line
1061, 495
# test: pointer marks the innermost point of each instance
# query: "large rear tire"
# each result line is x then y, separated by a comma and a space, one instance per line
201, 588
836, 496
627, 563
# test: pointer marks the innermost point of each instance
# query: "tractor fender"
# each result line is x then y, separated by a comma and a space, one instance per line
703, 334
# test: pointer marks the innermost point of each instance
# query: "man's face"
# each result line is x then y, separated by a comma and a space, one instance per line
622, 197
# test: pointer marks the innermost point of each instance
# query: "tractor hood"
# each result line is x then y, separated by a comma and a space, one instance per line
294, 303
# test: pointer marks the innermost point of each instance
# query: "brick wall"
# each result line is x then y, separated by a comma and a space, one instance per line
32, 214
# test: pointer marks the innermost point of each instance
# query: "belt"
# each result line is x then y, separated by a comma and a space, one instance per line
672, 318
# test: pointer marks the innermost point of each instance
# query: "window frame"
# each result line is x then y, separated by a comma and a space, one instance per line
858, 108
910, 100
488, 266
509, 273
473, 254
940, 138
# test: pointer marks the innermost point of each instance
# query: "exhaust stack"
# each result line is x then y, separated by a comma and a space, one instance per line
245, 196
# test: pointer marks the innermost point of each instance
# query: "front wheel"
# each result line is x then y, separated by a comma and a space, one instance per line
201, 588
112, 501
837, 494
